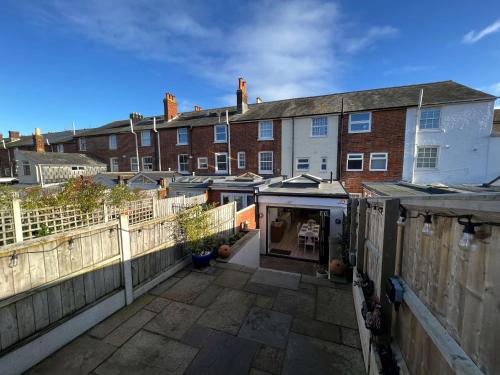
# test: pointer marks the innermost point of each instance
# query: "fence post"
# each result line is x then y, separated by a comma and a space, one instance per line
360, 241
105, 211
235, 216
18, 225
391, 214
126, 258
352, 231
155, 206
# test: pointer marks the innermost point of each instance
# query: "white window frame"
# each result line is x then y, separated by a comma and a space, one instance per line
351, 122
82, 144
266, 138
144, 164
355, 156
242, 160
112, 142
376, 156
325, 163
221, 171
179, 143
111, 168
26, 167
143, 133
225, 133
422, 110
266, 171
60, 147
200, 162
132, 163
179, 164
297, 162
313, 127
437, 157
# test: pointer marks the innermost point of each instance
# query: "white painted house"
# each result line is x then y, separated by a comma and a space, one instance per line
452, 144
309, 145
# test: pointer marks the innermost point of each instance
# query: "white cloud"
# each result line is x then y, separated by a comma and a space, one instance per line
283, 49
474, 36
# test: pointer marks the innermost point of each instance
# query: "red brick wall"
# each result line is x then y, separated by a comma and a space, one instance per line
98, 148
387, 135
201, 144
247, 214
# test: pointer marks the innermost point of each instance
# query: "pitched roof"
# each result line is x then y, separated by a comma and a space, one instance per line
52, 137
383, 98
58, 158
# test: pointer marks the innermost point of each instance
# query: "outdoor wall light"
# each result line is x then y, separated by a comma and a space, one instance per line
468, 241
427, 228
111, 231
13, 260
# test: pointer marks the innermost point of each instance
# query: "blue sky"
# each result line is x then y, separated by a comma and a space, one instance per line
96, 61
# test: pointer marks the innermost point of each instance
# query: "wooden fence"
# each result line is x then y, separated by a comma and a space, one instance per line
17, 224
449, 321
45, 281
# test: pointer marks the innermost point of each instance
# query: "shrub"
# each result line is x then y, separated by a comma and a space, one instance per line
194, 229
6, 194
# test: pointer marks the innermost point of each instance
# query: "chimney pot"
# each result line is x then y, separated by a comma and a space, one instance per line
14, 136
169, 106
38, 141
197, 108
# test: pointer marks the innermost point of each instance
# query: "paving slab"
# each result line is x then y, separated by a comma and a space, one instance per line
262, 289
267, 327
295, 303
308, 355
318, 329
182, 273
232, 279
255, 371
228, 311
208, 296
308, 279
164, 286
307, 288
350, 337
190, 287
78, 357
129, 328
104, 328
269, 360
336, 306
174, 320
157, 305
220, 353
264, 302
276, 278
148, 353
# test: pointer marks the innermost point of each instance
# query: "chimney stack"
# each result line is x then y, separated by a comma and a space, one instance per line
38, 141
136, 117
258, 100
170, 107
14, 136
197, 108
241, 96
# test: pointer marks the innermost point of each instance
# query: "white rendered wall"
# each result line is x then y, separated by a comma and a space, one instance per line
493, 169
308, 147
463, 140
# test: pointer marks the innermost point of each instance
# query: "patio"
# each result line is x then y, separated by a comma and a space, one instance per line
224, 319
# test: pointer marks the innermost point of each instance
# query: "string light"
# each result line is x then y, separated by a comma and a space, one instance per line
427, 228
402, 217
13, 260
468, 241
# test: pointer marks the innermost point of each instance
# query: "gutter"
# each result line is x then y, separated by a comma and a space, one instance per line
293, 145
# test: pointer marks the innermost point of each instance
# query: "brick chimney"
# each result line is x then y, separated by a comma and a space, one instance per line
38, 141
170, 106
14, 136
136, 117
197, 108
241, 96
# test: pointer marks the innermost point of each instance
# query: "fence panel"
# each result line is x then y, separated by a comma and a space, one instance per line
7, 230
222, 220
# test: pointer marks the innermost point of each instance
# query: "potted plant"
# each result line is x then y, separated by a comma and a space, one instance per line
194, 233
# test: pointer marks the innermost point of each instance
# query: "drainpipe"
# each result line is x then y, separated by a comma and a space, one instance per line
415, 145
157, 142
293, 145
190, 140
228, 142
136, 146
341, 121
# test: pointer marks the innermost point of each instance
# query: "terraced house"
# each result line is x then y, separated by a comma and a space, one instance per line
439, 132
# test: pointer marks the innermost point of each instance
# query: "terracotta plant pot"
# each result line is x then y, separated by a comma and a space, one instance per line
337, 267
224, 251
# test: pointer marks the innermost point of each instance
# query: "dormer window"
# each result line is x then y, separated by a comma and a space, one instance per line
220, 133
360, 122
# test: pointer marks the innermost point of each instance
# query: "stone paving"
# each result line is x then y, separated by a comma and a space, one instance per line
225, 319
